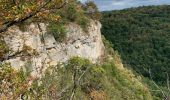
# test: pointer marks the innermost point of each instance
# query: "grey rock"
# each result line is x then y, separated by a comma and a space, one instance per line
49, 52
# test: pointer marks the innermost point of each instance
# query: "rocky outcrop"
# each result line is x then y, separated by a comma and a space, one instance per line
38, 50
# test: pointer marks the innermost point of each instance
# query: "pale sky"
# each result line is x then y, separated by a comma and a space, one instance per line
121, 4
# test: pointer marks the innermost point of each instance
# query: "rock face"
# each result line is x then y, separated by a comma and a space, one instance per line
38, 50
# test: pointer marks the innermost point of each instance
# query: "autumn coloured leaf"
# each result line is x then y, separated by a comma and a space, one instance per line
15, 11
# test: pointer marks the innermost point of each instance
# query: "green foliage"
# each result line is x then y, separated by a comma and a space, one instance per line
92, 10
18, 11
108, 46
73, 12
88, 80
77, 79
3, 48
57, 30
83, 22
158, 92
141, 35
12, 83
23, 26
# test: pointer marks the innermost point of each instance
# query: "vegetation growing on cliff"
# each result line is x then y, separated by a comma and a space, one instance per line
141, 36
56, 13
71, 12
74, 80
3, 49
17, 11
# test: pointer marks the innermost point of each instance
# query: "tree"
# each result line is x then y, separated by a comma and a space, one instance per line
92, 10
17, 11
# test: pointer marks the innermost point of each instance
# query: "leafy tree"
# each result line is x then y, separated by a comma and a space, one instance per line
92, 10
17, 11
74, 12
141, 36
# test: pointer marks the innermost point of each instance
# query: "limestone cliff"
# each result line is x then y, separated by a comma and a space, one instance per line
29, 47
37, 50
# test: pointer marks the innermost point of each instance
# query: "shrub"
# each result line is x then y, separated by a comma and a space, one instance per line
3, 48
73, 12
12, 83
76, 79
58, 31
108, 46
23, 26
83, 22
92, 10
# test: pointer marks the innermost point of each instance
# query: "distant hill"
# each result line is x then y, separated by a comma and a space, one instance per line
142, 37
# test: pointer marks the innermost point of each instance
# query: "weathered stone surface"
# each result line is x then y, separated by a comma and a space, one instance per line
28, 46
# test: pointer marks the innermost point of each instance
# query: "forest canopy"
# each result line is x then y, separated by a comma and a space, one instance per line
142, 37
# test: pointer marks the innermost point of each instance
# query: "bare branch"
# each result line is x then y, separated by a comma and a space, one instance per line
168, 84
156, 84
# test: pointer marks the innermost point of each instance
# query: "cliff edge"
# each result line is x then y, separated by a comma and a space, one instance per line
39, 49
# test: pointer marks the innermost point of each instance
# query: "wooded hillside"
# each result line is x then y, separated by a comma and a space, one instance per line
142, 37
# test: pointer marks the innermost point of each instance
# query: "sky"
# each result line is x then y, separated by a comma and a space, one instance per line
105, 5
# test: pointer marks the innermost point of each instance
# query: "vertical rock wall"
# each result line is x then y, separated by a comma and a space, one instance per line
38, 50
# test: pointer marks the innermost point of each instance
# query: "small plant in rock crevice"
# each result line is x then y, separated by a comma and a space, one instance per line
57, 30
3, 48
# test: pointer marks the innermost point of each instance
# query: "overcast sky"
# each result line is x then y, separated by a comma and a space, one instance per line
121, 4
